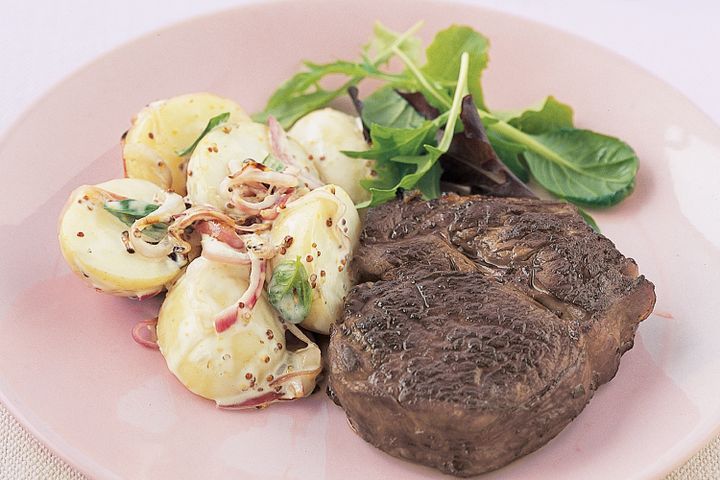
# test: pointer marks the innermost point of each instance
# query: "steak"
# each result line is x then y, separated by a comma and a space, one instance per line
481, 328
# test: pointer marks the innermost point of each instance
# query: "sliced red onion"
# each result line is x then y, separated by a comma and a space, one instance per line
172, 205
279, 147
218, 251
145, 333
229, 316
256, 402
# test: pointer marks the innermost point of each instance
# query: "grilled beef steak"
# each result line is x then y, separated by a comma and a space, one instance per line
482, 328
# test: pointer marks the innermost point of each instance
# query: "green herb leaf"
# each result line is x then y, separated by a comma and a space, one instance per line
273, 163
511, 155
302, 93
386, 107
382, 40
130, 210
548, 115
289, 290
589, 219
393, 148
212, 123
429, 184
443, 59
583, 167
389, 142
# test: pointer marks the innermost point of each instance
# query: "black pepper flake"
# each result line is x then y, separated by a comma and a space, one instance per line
322, 273
248, 376
151, 136
309, 258
269, 334
329, 222
80, 234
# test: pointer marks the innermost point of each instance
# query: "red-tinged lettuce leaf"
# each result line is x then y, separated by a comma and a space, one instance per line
418, 101
472, 161
358, 104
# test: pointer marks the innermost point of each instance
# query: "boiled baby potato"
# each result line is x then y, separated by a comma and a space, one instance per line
166, 127
243, 365
91, 240
325, 134
222, 151
323, 229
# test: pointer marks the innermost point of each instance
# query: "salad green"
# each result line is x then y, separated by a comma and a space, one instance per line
540, 143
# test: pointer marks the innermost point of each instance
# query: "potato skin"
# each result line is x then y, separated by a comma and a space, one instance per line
166, 127
90, 241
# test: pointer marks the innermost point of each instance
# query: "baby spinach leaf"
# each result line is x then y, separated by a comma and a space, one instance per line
289, 290
443, 58
589, 220
583, 167
548, 115
386, 107
511, 155
212, 123
130, 210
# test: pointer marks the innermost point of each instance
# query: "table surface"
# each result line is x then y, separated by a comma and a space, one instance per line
45, 41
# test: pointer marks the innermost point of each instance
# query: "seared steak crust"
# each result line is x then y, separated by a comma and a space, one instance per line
482, 329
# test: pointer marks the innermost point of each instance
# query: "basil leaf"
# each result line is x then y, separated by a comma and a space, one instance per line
273, 163
549, 115
289, 290
212, 123
130, 210
583, 167
443, 58
386, 107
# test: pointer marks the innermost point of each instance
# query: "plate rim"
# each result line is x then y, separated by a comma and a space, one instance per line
86, 465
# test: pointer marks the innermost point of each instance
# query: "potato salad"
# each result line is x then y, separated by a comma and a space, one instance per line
247, 229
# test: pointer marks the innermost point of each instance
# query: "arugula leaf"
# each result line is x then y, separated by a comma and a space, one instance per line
429, 184
443, 58
389, 142
548, 115
583, 167
424, 162
386, 107
212, 123
130, 210
302, 93
383, 39
289, 290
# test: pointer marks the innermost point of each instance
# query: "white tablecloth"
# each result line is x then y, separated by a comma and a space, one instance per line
43, 41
